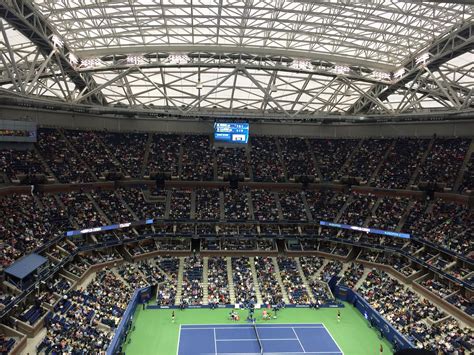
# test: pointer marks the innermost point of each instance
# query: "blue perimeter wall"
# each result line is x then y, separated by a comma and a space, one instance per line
140, 295
398, 341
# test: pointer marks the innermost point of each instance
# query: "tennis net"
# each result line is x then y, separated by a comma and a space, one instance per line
258, 338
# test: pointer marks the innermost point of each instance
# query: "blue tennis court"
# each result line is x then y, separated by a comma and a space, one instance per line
244, 339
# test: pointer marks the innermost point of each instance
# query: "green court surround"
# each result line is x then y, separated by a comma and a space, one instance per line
155, 334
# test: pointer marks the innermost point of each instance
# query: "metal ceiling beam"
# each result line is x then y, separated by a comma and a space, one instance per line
263, 52
23, 16
458, 41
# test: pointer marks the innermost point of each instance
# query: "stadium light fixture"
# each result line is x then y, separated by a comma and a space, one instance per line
301, 64
199, 85
57, 42
135, 59
399, 73
90, 62
178, 59
341, 69
422, 59
381, 75
273, 88
73, 59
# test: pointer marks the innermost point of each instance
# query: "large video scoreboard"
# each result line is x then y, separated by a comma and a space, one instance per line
231, 132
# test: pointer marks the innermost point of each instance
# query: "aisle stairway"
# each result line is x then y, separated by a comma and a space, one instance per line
255, 280
230, 280
363, 277
304, 280
146, 155
280, 281
421, 163
466, 160
179, 290
205, 280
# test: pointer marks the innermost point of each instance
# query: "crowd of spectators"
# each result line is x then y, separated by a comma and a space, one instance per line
297, 157
437, 286
444, 337
128, 149
331, 154
30, 221
113, 206
236, 206
389, 212
72, 327
132, 276
462, 303
265, 160
151, 272
467, 182
416, 318
352, 275
358, 210
207, 204
70, 153
25, 226
270, 289
448, 224
401, 163
231, 161
217, 281
292, 281
180, 205
324, 205
244, 287
143, 204
15, 163
81, 210
93, 152
292, 205
66, 166
366, 159
264, 205
167, 290
332, 268
310, 265
444, 161
197, 159
164, 155
192, 291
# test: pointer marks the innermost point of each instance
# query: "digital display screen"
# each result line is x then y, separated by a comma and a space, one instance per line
17, 131
231, 132
109, 227
366, 230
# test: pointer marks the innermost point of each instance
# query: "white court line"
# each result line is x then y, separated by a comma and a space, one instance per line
334, 340
179, 338
255, 339
286, 352
297, 337
271, 325
215, 341
259, 327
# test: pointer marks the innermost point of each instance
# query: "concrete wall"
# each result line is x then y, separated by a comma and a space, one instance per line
85, 121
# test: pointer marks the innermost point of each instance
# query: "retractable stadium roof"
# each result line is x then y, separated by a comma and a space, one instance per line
277, 59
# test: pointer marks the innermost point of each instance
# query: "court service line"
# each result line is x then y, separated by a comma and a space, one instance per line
215, 341
262, 339
250, 327
297, 338
334, 340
